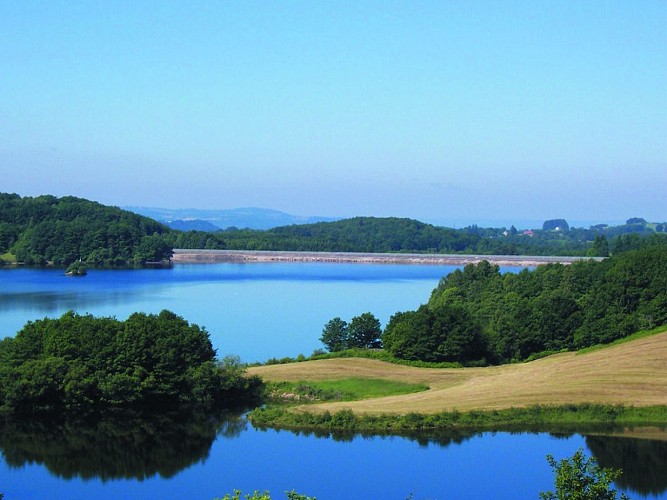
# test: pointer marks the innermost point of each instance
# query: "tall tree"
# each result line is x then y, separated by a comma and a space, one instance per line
335, 335
365, 331
600, 247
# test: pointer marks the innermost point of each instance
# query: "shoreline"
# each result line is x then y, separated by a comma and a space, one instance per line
570, 388
182, 256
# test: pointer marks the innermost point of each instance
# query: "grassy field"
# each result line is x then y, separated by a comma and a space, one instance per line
341, 389
632, 373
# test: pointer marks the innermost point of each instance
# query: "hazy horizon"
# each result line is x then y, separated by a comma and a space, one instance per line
438, 111
443, 221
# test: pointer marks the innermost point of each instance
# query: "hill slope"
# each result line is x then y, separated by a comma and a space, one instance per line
632, 373
62, 230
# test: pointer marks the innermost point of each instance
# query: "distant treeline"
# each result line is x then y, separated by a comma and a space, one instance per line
382, 235
46, 229
478, 315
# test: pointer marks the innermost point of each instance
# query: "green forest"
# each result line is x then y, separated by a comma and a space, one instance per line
59, 231
478, 315
81, 362
390, 235
44, 229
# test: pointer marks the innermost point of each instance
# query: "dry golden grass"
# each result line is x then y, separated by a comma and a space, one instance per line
633, 373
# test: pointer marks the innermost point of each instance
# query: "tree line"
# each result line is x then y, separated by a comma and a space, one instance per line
147, 361
478, 315
390, 235
46, 229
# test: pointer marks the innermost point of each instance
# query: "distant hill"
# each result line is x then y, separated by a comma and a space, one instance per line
192, 225
391, 234
63, 230
185, 219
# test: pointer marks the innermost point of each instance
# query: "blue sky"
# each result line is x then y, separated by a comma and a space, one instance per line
437, 110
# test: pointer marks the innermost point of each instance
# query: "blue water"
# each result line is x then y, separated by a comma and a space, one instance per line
487, 466
259, 311
255, 311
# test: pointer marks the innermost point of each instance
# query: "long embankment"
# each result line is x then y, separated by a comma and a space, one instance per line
214, 256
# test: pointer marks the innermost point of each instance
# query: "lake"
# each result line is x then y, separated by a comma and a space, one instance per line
260, 311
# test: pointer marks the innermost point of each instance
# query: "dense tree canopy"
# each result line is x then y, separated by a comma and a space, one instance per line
62, 230
80, 361
363, 332
478, 313
380, 235
555, 225
447, 333
335, 335
582, 478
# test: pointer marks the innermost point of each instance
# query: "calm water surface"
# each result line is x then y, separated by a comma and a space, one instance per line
259, 311
256, 311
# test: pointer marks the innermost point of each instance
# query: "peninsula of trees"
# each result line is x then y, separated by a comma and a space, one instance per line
479, 316
80, 363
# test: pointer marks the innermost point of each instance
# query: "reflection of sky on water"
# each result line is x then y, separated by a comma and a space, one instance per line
489, 465
52, 302
257, 311
273, 310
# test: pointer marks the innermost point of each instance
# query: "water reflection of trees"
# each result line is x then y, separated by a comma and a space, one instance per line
424, 438
643, 461
114, 446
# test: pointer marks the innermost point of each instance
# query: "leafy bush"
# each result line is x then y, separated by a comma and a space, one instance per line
582, 479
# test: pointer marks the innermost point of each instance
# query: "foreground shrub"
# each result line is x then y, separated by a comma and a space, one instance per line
581, 478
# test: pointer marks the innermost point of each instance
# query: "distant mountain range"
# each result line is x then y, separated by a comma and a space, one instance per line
187, 219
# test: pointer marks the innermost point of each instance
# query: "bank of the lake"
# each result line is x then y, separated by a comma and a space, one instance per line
623, 384
603, 419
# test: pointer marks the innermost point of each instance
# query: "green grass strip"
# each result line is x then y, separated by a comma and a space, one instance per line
348, 389
580, 415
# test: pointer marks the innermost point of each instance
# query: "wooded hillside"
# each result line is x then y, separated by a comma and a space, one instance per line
390, 234
62, 230
478, 313
44, 229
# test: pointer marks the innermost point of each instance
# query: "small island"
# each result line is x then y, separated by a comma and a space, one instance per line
76, 268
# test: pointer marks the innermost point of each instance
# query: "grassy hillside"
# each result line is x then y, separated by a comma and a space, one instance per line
631, 373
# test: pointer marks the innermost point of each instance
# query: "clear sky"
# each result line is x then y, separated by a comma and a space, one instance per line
436, 110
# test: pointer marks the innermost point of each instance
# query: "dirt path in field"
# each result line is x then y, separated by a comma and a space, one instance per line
634, 373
